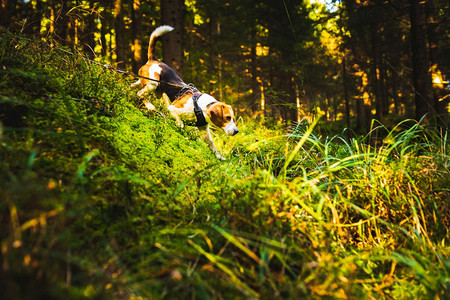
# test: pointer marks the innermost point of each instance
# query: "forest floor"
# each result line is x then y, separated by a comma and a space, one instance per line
101, 199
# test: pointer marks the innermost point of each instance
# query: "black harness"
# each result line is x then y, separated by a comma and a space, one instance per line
201, 121
198, 111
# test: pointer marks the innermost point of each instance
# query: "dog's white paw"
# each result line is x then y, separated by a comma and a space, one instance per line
149, 106
136, 84
141, 93
220, 157
180, 124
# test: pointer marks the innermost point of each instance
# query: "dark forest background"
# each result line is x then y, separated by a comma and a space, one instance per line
280, 60
102, 199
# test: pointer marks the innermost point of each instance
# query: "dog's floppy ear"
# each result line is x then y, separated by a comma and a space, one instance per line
221, 111
216, 114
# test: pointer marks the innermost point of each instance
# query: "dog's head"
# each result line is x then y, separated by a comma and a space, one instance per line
222, 116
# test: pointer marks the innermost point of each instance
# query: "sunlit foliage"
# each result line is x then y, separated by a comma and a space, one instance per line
102, 199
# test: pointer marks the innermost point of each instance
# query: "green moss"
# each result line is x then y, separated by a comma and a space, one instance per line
102, 199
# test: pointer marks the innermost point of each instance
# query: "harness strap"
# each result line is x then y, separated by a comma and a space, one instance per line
198, 111
201, 121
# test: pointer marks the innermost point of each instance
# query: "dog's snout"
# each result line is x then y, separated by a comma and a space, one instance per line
231, 129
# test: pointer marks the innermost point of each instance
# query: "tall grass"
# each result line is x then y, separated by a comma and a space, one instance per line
338, 218
103, 200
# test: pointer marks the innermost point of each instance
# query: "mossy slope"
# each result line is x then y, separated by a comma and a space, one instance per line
101, 199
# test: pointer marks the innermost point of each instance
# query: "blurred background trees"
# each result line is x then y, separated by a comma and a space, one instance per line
353, 60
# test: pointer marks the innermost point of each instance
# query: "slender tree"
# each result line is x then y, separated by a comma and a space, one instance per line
6, 12
136, 35
375, 66
172, 13
420, 60
89, 31
120, 33
438, 30
345, 85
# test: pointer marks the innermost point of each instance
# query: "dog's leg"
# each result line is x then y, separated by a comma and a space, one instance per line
136, 84
206, 136
147, 89
151, 85
166, 100
149, 105
154, 73
174, 112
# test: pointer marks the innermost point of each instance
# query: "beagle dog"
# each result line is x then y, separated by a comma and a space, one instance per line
184, 102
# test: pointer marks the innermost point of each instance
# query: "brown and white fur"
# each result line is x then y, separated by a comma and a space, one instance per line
182, 107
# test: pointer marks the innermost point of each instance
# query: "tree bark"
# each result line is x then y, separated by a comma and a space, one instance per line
384, 88
120, 34
136, 35
346, 100
255, 86
7, 11
172, 13
375, 65
394, 90
89, 32
359, 114
61, 22
438, 91
105, 20
420, 61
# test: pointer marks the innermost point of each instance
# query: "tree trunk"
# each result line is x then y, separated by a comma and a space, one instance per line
375, 65
395, 94
420, 61
438, 91
36, 18
384, 88
363, 113
367, 113
172, 13
89, 32
120, 34
105, 21
255, 86
7, 8
220, 65
346, 100
136, 35
61, 22
359, 114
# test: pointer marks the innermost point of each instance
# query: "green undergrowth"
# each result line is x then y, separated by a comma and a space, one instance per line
101, 199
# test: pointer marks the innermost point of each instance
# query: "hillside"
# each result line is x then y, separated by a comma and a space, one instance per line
101, 199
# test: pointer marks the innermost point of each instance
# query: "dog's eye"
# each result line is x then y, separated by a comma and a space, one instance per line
228, 118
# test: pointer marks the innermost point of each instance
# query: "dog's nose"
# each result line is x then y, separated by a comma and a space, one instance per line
235, 131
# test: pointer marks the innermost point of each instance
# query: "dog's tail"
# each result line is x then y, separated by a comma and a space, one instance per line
155, 34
